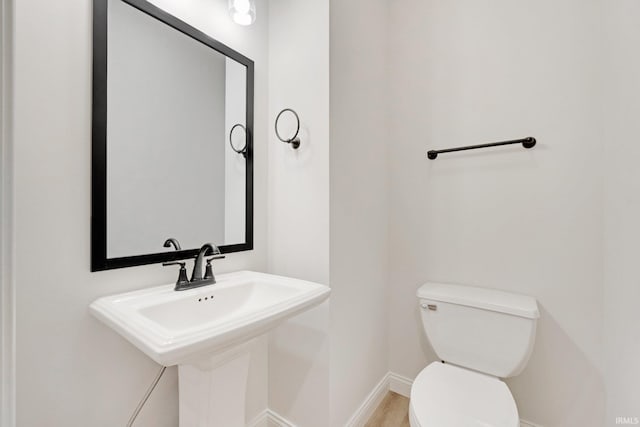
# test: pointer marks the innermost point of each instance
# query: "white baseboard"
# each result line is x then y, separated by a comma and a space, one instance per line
399, 384
370, 403
276, 420
260, 420
269, 418
525, 423
390, 382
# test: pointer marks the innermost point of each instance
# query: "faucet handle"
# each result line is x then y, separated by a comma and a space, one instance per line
183, 280
180, 263
208, 274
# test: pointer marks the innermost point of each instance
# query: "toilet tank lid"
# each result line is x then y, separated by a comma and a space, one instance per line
487, 299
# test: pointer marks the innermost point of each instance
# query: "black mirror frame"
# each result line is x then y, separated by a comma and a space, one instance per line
99, 260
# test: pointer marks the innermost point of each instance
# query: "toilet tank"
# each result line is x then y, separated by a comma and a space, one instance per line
485, 330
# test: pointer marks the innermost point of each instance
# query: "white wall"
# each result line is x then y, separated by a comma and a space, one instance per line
359, 166
7, 284
466, 72
622, 208
299, 205
72, 370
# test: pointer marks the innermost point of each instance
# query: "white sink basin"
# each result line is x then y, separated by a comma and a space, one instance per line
177, 327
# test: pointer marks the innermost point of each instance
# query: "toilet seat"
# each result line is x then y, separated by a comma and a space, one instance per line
445, 395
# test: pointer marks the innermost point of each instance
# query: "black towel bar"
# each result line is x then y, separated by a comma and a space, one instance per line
528, 142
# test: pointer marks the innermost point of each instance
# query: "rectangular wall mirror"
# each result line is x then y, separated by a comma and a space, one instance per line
172, 138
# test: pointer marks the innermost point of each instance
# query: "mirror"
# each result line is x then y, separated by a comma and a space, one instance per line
172, 146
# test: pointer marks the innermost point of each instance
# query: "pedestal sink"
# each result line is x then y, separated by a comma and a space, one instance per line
207, 332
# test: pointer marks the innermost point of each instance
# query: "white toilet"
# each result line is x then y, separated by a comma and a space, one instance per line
481, 335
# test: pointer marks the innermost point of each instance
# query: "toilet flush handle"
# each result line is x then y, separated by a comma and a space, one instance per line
431, 307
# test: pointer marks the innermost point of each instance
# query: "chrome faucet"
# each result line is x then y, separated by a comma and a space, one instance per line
197, 279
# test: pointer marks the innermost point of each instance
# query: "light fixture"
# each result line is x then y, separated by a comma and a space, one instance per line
243, 12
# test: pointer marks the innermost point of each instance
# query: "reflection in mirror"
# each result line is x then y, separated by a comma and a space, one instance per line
238, 141
171, 102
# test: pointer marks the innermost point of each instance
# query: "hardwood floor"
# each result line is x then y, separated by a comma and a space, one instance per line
393, 411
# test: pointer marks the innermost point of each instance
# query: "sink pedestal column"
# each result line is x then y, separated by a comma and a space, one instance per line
212, 390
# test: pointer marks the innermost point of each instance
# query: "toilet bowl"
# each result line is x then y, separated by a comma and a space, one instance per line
449, 396
481, 336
